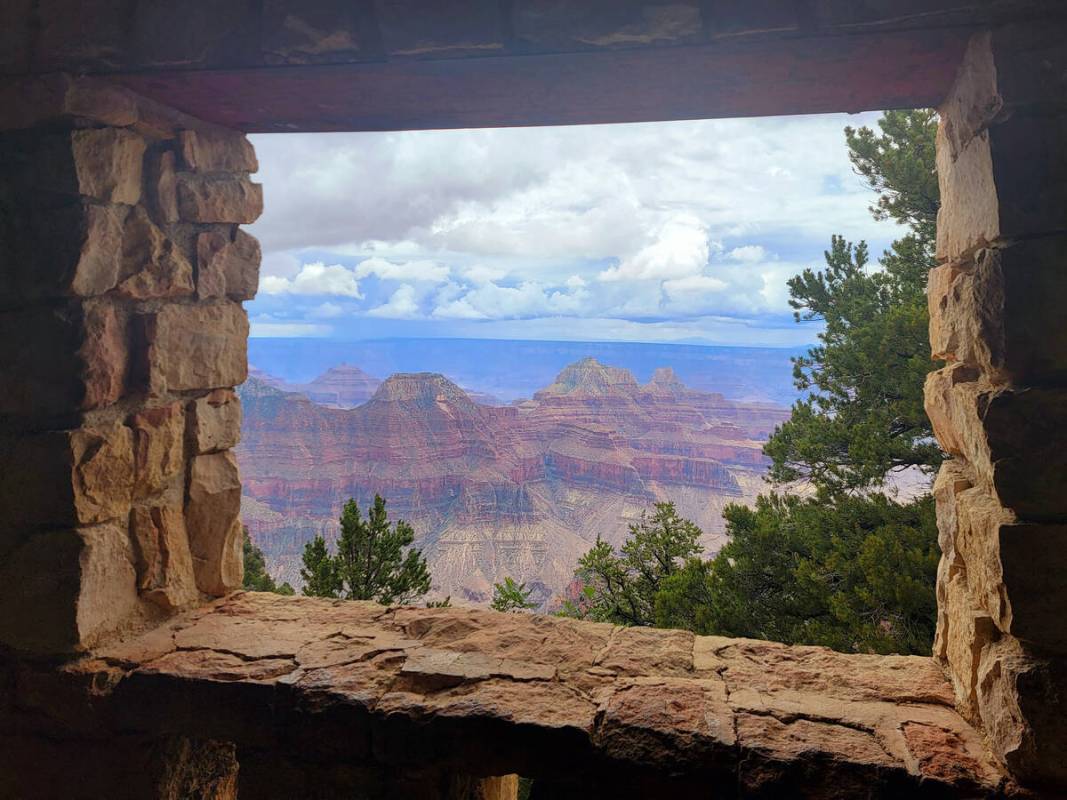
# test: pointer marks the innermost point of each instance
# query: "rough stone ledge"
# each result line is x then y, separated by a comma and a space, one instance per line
492, 694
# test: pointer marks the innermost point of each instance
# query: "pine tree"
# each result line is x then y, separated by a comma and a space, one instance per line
511, 596
374, 560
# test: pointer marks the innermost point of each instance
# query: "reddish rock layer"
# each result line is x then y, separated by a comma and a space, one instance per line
495, 491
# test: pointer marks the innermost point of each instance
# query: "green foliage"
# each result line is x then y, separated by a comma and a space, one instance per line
863, 416
511, 596
446, 603
855, 573
622, 587
257, 579
374, 560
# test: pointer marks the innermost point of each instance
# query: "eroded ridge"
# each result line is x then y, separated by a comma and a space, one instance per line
577, 703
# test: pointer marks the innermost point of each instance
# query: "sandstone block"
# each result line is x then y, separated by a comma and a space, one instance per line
215, 421
217, 150
218, 198
104, 355
1034, 559
161, 183
963, 633
227, 267
102, 473
64, 590
194, 347
163, 560
158, 439
108, 163
72, 249
1022, 706
969, 217
951, 401
61, 360
211, 509
156, 267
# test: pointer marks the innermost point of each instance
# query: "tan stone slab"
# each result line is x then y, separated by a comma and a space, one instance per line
478, 690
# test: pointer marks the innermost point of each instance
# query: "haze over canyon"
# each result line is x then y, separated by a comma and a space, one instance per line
493, 490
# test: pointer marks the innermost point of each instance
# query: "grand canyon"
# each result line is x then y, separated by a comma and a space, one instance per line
520, 490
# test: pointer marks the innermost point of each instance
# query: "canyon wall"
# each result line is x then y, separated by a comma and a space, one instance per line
494, 491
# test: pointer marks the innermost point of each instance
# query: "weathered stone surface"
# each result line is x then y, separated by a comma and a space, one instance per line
217, 150
227, 267
158, 438
64, 590
319, 31
462, 689
156, 266
215, 421
104, 355
218, 198
73, 249
1022, 706
161, 184
969, 216
108, 163
211, 509
194, 347
164, 563
102, 472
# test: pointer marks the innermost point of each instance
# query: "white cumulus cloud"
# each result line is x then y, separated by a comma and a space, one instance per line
315, 278
402, 305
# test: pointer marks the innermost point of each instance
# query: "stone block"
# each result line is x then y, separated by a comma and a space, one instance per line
103, 356
606, 23
68, 250
227, 267
218, 198
193, 347
1007, 181
61, 360
158, 441
162, 557
64, 590
155, 265
215, 421
963, 633
211, 518
951, 401
1022, 707
316, 32
1034, 563
1025, 446
217, 150
969, 217
161, 186
102, 471
109, 163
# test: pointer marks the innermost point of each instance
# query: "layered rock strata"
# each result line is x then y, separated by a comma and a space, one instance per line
495, 491
122, 335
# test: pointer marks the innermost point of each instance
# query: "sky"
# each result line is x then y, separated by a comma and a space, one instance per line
661, 232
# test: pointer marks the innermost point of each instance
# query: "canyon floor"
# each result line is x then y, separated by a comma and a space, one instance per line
520, 490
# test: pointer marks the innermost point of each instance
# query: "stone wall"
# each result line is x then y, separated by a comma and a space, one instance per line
122, 335
999, 405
